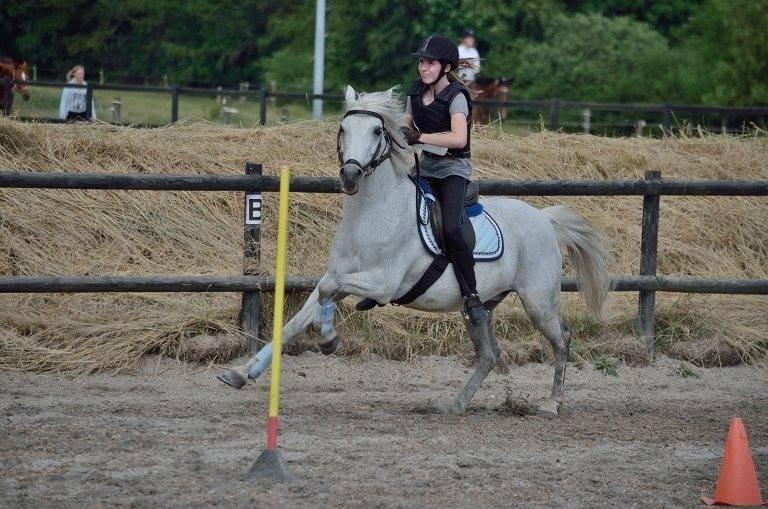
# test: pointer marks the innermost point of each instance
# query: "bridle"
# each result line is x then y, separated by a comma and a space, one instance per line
383, 150
377, 159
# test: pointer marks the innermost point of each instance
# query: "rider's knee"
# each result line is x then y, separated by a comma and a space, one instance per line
454, 240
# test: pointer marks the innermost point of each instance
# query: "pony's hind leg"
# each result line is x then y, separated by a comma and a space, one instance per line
543, 314
486, 352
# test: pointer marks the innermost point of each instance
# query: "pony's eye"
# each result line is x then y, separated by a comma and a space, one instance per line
378, 131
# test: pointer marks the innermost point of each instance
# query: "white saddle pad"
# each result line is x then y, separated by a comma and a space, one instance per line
489, 242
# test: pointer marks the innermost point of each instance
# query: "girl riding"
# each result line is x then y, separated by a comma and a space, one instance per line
439, 112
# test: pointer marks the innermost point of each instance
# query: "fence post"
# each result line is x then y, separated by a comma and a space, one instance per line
554, 115
116, 110
639, 126
175, 103
648, 250
586, 120
666, 122
249, 319
34, 73
89, 102
7, 91
263, 107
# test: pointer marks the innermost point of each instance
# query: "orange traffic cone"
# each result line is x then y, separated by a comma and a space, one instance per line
737, 484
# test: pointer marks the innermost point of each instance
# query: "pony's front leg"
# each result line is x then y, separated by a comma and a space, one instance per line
373, 284
237, 376
334, 287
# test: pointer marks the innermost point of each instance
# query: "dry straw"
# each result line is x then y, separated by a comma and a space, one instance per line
54, 232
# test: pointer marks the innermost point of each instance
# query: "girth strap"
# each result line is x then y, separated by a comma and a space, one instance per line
431, 275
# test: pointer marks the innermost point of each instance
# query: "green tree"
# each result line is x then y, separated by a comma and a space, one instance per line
724, 54
664, 16
367, 45
506, 27
191, 41
591, 57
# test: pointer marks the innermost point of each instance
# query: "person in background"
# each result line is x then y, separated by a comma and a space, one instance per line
72, 106
469, 53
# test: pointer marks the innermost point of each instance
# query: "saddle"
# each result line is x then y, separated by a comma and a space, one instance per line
487, 243
467, 230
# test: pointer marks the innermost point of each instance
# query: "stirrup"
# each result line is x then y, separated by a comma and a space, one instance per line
474, 310
366, 304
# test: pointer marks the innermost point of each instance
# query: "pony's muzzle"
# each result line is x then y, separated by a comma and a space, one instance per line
350, 175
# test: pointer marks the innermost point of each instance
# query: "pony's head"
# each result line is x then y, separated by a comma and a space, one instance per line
21, 77
369, 135
17, 71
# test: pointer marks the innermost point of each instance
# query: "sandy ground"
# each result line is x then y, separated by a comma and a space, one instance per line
355, 433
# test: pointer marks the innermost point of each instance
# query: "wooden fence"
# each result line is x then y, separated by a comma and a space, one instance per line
551, 109
253, 183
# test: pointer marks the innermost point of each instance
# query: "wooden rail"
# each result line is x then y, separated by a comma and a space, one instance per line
551, 108
269, 183
253, 183
175, 284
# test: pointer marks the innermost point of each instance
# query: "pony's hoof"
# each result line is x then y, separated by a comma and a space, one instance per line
232, 378
329, 347
550, 408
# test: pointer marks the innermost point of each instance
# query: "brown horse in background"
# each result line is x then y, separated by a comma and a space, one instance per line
490, 89
17, 71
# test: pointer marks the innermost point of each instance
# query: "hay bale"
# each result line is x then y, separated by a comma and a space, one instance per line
710, 352
145, 233
212, 348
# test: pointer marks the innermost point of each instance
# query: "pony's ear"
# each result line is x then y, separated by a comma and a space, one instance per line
351, 96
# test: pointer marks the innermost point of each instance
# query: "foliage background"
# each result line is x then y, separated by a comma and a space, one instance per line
696, 51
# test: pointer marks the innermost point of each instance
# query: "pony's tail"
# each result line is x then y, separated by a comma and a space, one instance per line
588, 252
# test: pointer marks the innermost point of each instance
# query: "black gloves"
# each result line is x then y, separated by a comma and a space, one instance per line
411, 135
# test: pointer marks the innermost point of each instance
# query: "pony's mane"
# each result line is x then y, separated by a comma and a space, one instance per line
389, 105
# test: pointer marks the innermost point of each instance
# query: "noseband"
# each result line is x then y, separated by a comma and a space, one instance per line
383, 150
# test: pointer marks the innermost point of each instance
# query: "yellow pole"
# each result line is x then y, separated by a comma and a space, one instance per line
277, 321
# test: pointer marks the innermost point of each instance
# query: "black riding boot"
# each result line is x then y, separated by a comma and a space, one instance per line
366, 304
464, 268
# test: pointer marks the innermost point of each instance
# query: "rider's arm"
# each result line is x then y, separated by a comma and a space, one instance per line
455, 138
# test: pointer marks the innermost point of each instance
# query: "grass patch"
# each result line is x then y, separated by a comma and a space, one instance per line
606, 366
686, 371
137, 107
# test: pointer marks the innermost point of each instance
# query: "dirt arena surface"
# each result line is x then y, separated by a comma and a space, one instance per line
356, 433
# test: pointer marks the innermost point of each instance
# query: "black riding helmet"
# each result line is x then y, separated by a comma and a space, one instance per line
441, 48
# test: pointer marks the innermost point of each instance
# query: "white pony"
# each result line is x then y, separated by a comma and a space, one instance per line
377, 253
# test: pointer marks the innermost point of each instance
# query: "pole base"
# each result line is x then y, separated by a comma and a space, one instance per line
270, 465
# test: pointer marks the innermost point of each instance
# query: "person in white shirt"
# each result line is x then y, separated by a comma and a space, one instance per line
72, 105
468, 51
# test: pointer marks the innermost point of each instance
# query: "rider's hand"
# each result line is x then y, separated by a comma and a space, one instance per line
411, 135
